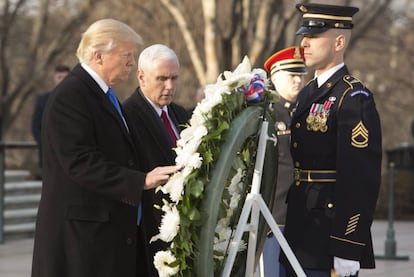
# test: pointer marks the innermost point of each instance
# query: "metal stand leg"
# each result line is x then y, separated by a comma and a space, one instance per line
390, 243
255, 205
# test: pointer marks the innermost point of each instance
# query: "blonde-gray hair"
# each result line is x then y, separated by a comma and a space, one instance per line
103, 35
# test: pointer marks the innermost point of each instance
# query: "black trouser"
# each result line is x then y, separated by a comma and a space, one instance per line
142, 255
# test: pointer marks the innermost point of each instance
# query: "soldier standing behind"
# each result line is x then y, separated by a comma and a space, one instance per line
287, 74
336, 150
61, 71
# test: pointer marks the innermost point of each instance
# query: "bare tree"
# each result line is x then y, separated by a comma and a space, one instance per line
232, 29
209, 36
33, 36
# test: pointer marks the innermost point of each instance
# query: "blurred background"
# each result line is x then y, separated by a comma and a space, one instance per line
209, 36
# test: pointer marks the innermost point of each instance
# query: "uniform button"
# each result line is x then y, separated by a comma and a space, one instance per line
297, 183
129, 241
330, 205
131, 162
297, 125
295, 145
297, 164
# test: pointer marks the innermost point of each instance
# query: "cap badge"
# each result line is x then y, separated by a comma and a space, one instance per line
303, 9
297, 55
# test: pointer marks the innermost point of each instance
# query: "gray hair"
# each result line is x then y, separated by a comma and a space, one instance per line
103, 35
155, 52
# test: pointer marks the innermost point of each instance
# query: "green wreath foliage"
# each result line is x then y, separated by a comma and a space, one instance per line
205, 197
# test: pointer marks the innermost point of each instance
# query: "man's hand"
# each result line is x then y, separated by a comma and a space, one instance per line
159, 176
345, 267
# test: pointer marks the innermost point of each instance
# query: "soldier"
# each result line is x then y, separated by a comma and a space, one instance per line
287, 74
336, 150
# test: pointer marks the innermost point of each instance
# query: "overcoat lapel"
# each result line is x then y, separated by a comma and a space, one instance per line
157, 132
103, 99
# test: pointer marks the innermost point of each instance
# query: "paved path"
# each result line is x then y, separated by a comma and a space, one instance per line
16, 256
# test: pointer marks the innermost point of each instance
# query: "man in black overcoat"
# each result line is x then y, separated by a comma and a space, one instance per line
87, 218
61, 71
157, 74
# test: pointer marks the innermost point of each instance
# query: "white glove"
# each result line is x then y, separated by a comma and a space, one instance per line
345, 267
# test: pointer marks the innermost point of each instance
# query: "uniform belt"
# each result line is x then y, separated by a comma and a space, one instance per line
321, 176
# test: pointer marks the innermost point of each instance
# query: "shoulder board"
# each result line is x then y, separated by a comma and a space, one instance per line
355, 87
309, 82
352, 82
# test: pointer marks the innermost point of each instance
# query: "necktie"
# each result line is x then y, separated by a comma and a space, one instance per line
168, 126
313, 86
139, 216
114, 101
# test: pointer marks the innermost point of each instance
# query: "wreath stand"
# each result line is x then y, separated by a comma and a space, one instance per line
255, 205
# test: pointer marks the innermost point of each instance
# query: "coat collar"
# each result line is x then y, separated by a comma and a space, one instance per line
305, 99
101, 97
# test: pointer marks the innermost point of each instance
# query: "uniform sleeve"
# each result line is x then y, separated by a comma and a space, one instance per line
359, 153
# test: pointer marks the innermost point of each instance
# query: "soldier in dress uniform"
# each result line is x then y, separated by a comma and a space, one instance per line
336, 150
287, 73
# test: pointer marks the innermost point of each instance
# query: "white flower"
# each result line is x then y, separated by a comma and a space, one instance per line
198, 118
188, 155
222, 223
174, 187
213, 100
170, 224
235, 183
211, 90
221, 240
223, 233
162, 259
195, 161
199, 132
191, 139
243, 67
186, 171
190, 133
234, 202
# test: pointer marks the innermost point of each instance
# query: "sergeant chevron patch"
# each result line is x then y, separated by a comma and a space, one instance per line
352, 224
359, 136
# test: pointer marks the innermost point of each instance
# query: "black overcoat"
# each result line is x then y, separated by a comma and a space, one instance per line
86, 223
155, 144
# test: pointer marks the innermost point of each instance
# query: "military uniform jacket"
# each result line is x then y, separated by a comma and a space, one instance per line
326, 219
283, 110
157, 150
86, 222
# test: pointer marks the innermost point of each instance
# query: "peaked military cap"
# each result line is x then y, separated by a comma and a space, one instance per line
318, 18
289, 59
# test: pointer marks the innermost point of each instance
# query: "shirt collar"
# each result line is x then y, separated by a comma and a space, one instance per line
327, 74
156, 107
96, 77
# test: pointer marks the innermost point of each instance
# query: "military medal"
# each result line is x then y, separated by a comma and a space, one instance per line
310, 119
318, 115
281, 126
